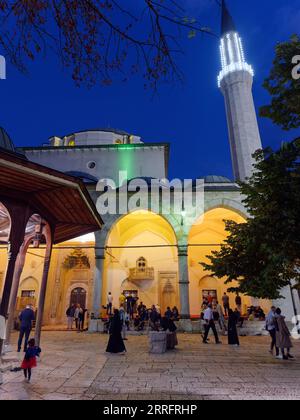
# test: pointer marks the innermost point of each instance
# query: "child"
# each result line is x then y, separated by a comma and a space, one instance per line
29, 361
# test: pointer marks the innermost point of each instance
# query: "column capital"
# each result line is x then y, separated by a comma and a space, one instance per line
182, 250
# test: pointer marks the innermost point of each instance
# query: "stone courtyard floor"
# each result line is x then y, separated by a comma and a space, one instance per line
75, 366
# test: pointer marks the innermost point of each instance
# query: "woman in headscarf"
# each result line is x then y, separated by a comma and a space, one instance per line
233, 337
115, 342
283, 340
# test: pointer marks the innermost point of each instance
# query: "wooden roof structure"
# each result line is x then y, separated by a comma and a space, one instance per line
61, 199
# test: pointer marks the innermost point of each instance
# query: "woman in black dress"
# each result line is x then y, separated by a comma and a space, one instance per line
115, 342
233, 337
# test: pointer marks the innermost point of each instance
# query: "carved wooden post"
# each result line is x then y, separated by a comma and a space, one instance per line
47, 232
19, 216
15, 286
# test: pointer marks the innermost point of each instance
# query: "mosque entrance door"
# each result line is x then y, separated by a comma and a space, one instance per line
78, 295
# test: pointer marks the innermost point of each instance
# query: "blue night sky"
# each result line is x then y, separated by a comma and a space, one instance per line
190, 116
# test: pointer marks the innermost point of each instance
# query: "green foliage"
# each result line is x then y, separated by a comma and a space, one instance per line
263, 253
284, 109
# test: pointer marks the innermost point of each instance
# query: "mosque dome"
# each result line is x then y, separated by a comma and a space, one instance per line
216, 179
5, 141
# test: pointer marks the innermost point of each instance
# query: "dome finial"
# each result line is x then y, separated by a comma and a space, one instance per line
227, 20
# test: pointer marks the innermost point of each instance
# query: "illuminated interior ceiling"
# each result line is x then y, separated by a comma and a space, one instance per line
138, 222
211, 230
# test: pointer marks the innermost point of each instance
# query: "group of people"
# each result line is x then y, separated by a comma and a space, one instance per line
280, 334
75, 313
120, 320
128, 302
119, 323
209, 319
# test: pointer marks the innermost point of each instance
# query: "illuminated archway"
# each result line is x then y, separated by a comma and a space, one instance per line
204, 238
141, 236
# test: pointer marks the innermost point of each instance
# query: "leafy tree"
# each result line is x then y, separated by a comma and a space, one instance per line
284, 109
97, 38
263, 253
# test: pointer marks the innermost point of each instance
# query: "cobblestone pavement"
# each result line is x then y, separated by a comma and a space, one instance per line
75, 366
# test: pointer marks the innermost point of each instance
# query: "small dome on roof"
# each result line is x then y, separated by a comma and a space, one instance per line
216, 179
5, 141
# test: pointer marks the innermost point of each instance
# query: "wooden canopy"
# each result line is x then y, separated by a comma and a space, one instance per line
59, 198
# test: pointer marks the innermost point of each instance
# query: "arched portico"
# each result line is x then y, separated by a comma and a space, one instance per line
205, 237
137, 235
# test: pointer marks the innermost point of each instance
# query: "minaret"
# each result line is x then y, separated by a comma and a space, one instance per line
235, 81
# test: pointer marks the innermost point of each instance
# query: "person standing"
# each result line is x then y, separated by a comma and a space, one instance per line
175, 313
26, 317
115, 342
168, 313
283, 340
80, 319
222, 323
154, 319
233, 338
76, 316
271, 328
209, 324
238, 302
70, 316
225, 300
109, 304
123, 321
122, 299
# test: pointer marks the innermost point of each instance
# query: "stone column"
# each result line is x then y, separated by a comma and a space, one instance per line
184, 282
42, 296
14, 290
98, 281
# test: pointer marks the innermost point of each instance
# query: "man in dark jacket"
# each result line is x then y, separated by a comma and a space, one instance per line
26, 317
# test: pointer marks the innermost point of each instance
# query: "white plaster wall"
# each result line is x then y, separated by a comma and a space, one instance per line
139, 162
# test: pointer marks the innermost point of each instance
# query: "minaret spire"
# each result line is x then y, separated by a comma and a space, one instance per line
235, 81
227, 20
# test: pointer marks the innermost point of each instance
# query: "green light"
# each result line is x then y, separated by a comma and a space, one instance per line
127, 161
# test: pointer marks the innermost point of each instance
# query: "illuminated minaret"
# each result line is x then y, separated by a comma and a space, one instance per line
235, 81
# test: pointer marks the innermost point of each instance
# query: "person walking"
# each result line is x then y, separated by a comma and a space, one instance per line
271, 328
233, 338
115, 342
209, 324
70, 316
225, 300
175, 313
109, 304
29, 361
283, 340
26, 317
